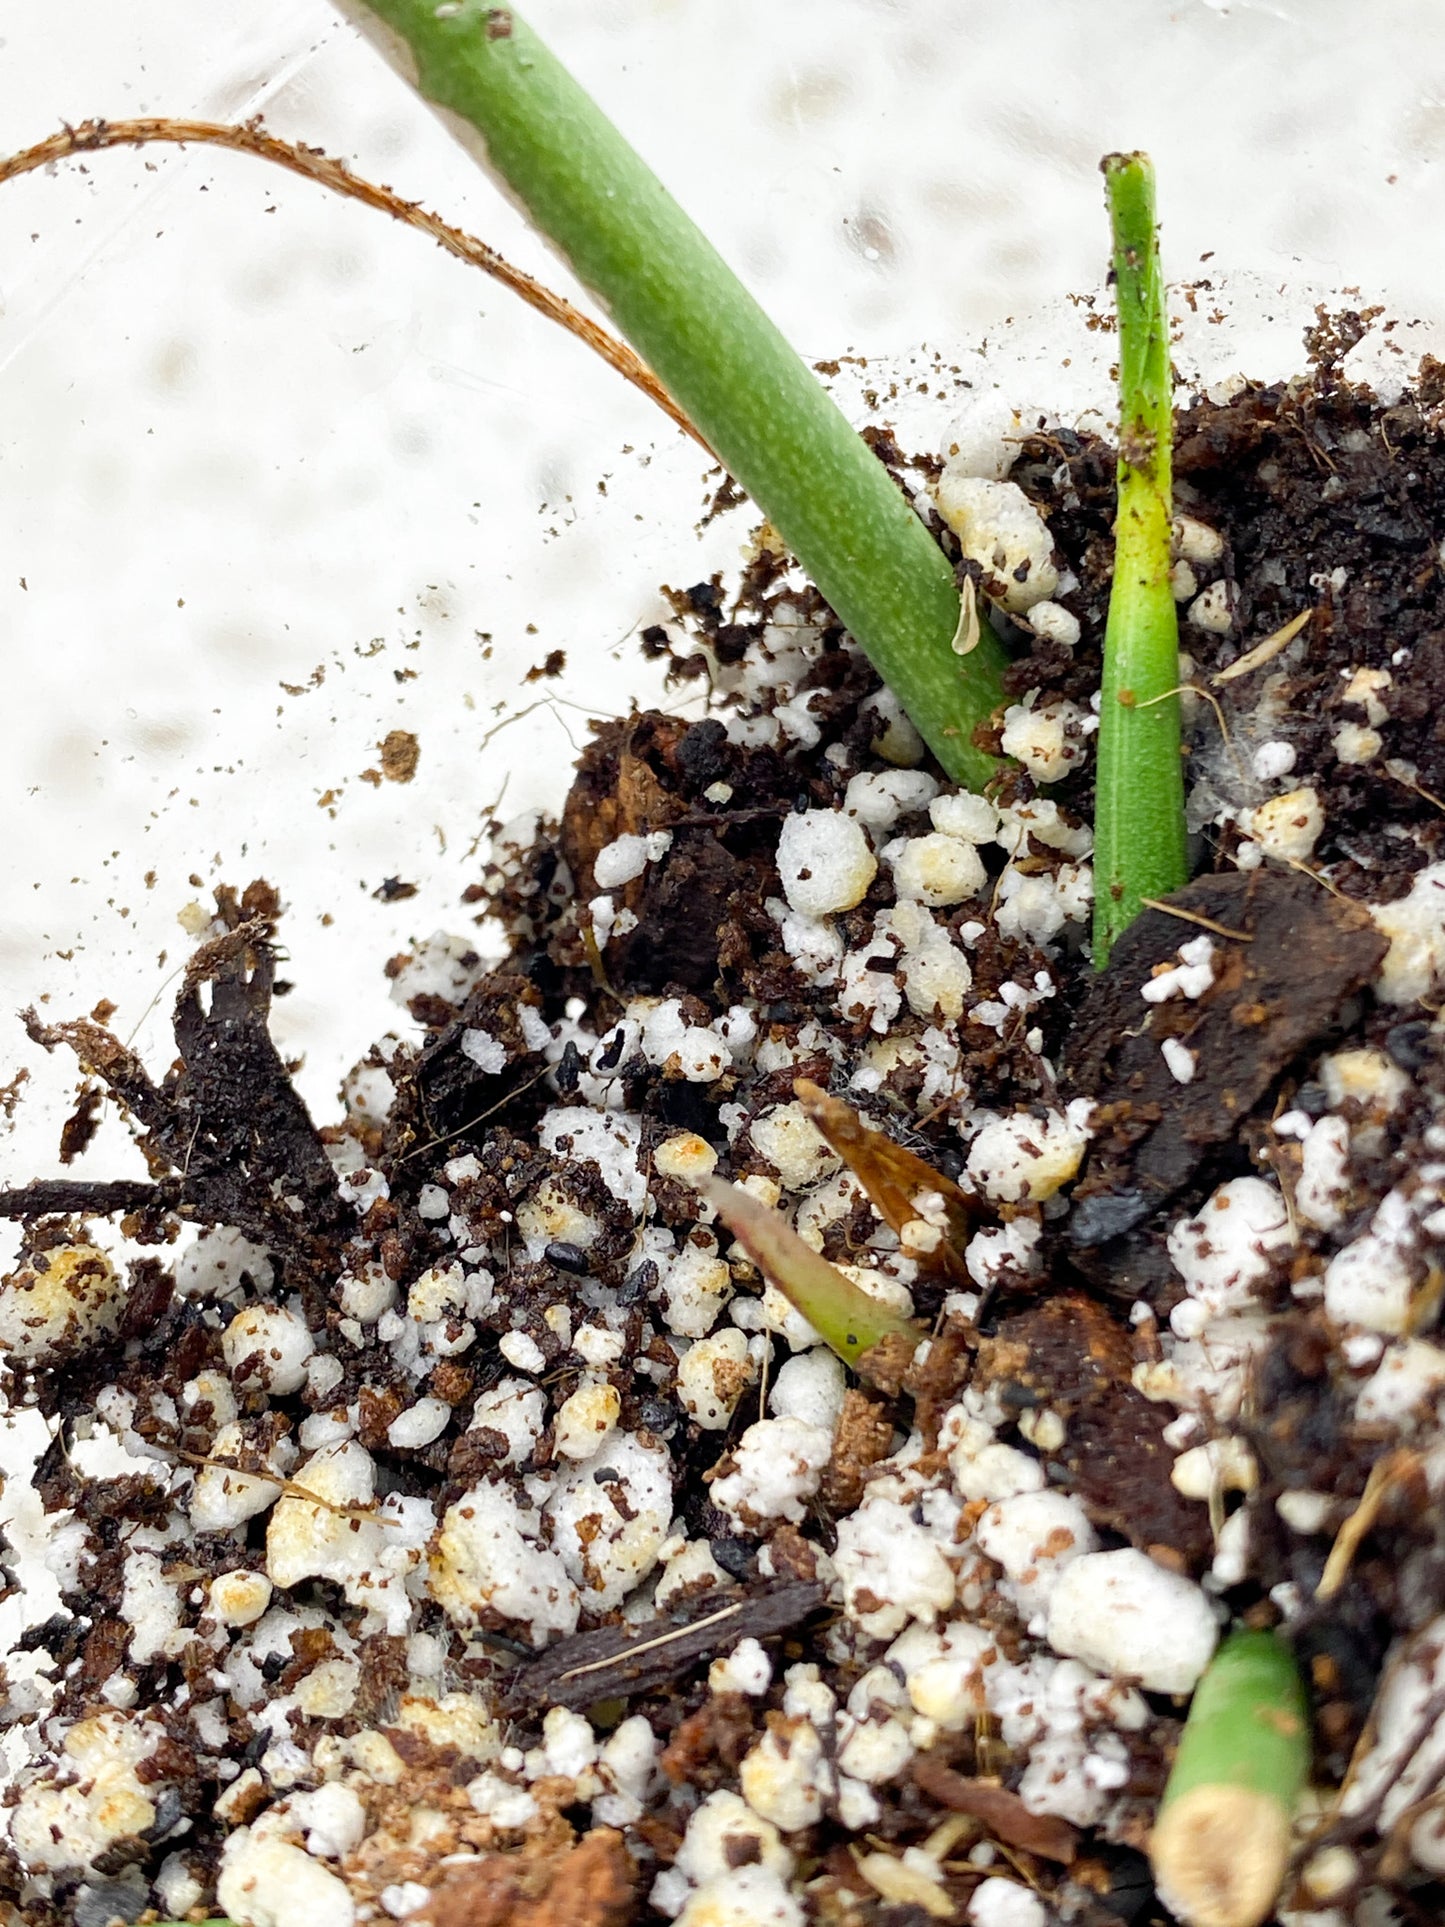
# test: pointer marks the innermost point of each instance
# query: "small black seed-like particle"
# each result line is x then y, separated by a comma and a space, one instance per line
566, 1257
609, 1059
168, 1811
1109, 1215
98, 1902
569, 1068
658, 1415
735, 1556
1312, 1098
1410, 1045
638, 1284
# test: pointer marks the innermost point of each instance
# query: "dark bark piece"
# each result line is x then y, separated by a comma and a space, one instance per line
647, 772
72, 1197
238, 1128
82, 1124
618, 1662
626, 783
1281, 989
446, 1094
1002, 1812
226, 1132
681, 906
1069, 1353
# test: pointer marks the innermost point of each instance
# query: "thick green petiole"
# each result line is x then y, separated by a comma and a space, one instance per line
1140, 847
761, 410
1220, 1847
842, 1313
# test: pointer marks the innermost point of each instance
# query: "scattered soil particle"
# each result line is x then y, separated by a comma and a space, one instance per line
82, 1124
710, 1743
553, 664
400, 754
864, 1436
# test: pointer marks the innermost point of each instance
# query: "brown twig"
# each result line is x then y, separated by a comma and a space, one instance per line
92, 136
1265, 651
1195, 916
1385, 1474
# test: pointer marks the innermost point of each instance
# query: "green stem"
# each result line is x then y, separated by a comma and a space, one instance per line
844, 1316
1220, 1847
762, 411
1139, 834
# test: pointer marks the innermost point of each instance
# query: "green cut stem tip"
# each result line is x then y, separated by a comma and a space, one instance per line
762, 411
1220, 1847
1140, 843
844, 1316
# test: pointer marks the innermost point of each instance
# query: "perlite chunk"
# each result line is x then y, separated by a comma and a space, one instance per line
55, 1827
1415, 926
57, 1304
267, 1882
999, 528
1288, 826
266, 1347
223, 1498
1023, 1156
937, 869
343, 1535
1121, 1613
1035, 1537
610, 1516
488, 1558
891, 1568
777, 1464
824, 862
586, 1419
713, 1376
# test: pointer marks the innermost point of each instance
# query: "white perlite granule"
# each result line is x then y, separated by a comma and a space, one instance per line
1415, 927
999, 528
824, 862
1122, 1614
627, 856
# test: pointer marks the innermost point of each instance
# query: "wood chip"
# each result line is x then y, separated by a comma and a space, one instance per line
1002, 1812
617, 1662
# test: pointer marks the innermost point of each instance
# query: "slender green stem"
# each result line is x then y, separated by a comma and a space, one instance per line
844, 1316
1139, 835
1220, 1847
762, 411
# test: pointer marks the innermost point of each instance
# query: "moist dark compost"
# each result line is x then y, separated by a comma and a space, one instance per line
452, 1525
